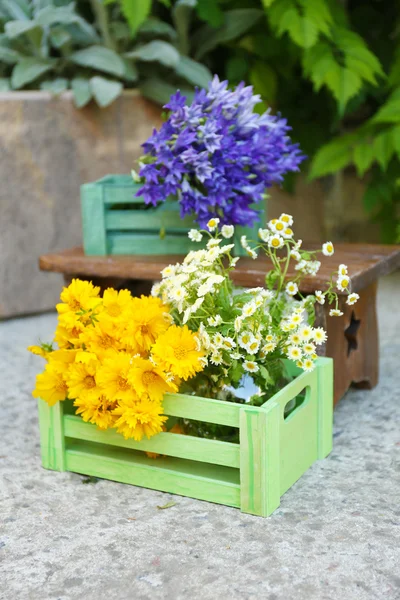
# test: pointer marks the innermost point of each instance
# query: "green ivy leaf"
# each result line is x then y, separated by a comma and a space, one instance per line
383, 149
388, 113
14, 29
332, 157
98, 57
363, 156
55, 86
27, 70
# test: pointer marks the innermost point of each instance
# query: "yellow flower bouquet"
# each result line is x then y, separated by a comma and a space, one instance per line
116, 358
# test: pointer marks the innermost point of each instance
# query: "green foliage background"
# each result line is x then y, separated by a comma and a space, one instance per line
332, 67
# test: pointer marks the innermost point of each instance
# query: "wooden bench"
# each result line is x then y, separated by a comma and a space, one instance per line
352, 338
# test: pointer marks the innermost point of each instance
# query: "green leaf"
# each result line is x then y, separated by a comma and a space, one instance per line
160, 92
59, 36
159, 28
236, 23
27, 70
384, 149
303, 20
98, 57
81, 90
9, 56
332, 157
265, 375
14, 29
159, 51
264, 80
388, 113
236, 68
396, 139
182, 16
51, 14
194, 72
375, 194
130, 73
363, 156
267, 3
55, 86
210, 12
105, 91
168, 505
135, 12
344, 84
4, 84
16, 9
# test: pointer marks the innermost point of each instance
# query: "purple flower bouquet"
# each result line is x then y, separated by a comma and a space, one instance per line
217, 156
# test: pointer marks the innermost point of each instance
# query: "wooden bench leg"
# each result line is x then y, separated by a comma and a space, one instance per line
137, 287
353, 343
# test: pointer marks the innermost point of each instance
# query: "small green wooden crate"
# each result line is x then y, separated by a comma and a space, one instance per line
274, 449
115, 221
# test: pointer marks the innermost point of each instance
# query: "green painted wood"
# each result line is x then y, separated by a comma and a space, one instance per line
325, 406
151, 221
186, 478
93, 224
202, 409
149, 244
259, 460
52, 440
170, 444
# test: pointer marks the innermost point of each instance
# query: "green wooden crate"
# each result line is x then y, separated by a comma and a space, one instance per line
274, 450
115, 221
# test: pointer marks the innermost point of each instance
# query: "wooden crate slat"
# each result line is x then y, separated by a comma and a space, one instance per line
202, 409
128, 243
52, 440
171, 444
176, 476
147, 220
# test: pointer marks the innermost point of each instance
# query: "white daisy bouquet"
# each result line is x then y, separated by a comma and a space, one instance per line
246, 333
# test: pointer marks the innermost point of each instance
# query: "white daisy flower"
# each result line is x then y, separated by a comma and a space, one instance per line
168, 271
243, 242
236, 356
214, 321
249, 309
269, 347
244, 339
309, 348
295, 254
352, 299
216, 358
227, 231
291, 288
228, 343
306, 332
156, 289
238, 323
263, 234
275, 241
294, 353
178, 293
226, 248
320, 297
335, 313
196, 305
250, 366
296, 319
195, 235
279, 226
319, 335
253, 346
342, 283
342, 270
218, 340
252, 253
328, 249
308, 365
288, 219
212, 224
213, 243
186, 315
271, 223
234, 261
295, 339
287, 233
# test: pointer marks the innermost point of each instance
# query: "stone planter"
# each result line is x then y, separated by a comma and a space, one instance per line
48, 149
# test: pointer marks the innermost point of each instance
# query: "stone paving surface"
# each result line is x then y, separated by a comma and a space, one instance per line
335, 536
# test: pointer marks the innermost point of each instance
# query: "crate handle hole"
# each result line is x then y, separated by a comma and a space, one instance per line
294, 404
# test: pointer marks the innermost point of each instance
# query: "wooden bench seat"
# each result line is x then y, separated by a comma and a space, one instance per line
352, 338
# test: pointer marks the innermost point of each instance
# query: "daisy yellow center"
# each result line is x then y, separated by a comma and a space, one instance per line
275, 242
345, 282
122, 383
149, 377
279, 226
89, 381
180, 353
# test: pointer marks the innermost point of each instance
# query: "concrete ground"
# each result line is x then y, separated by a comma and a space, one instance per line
335, 536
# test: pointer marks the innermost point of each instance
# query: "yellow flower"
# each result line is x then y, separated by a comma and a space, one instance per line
176, 351
149, 380
79, 295
96, 410
81, 380
42, 351
68, 331
113, 377
116, 304
100, 338
50, 385
147, 320
139, 419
